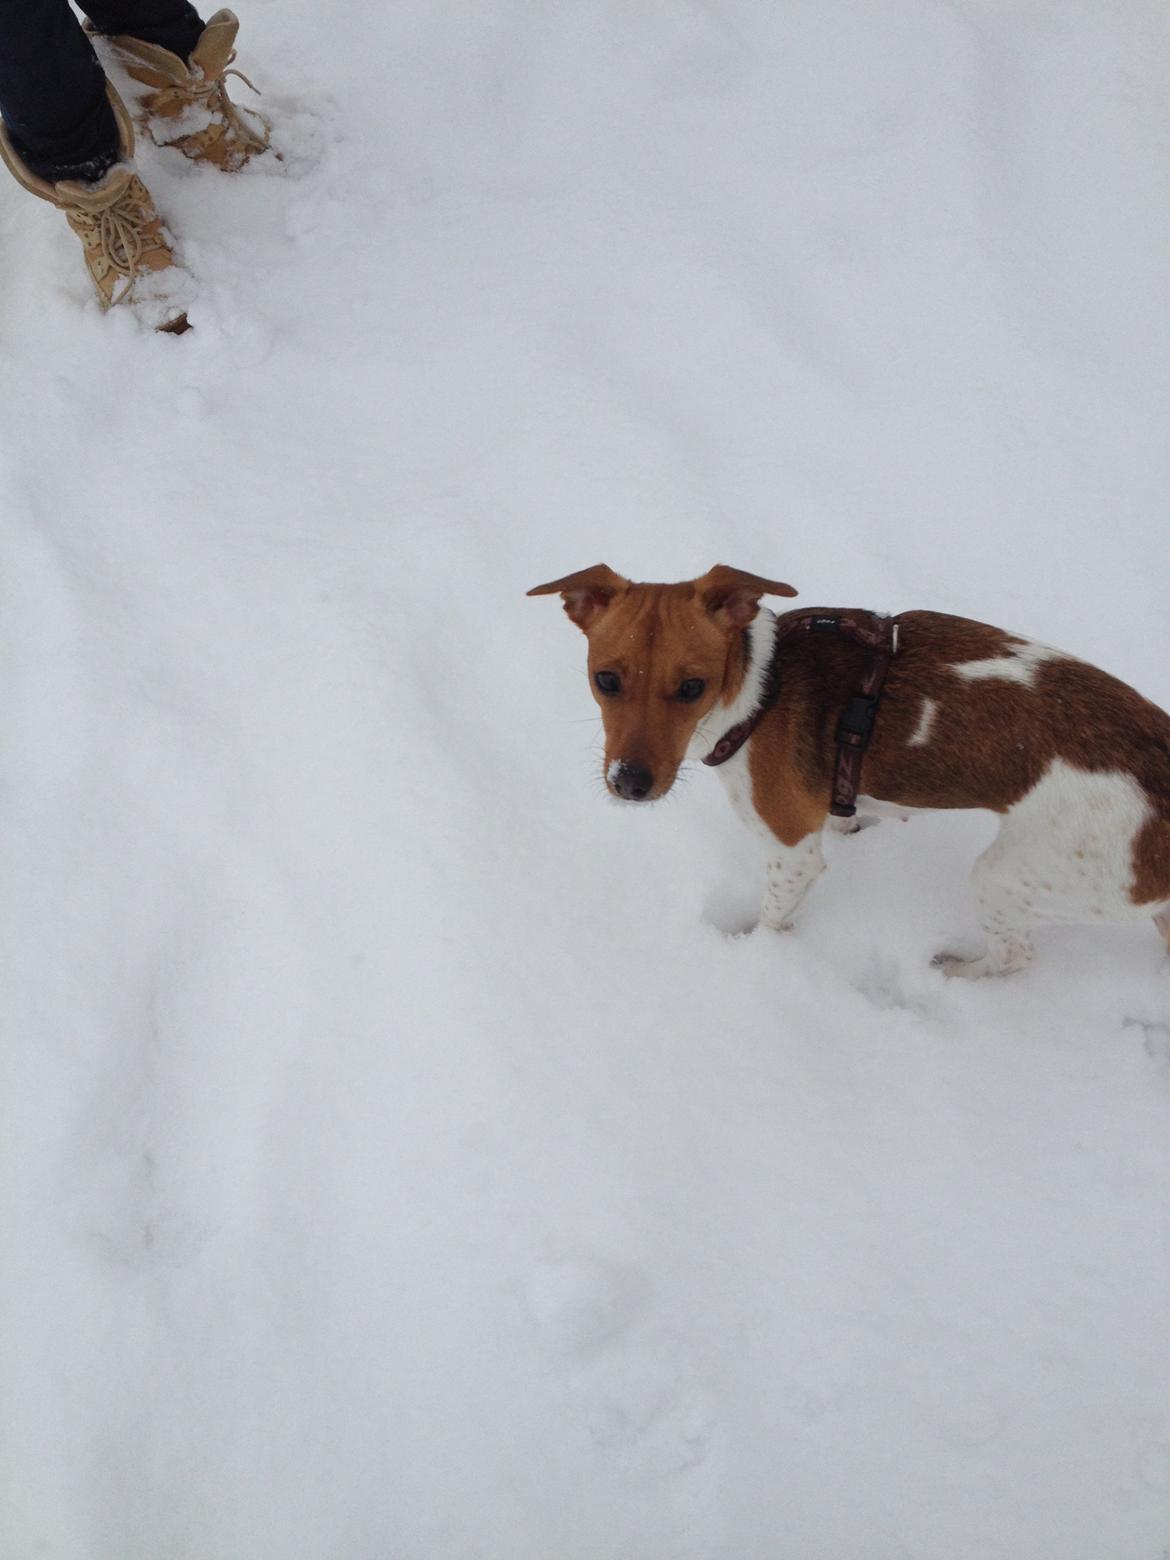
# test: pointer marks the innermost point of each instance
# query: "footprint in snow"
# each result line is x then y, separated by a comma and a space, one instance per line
579, 1304
733, 914
651, 1421
625, 1375
1155, 1041
883, 982
1153, 1465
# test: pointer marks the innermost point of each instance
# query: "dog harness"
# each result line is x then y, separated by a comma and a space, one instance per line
879, 637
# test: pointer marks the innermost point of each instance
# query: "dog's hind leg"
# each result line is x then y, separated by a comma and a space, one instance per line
1007, 913
1064, 854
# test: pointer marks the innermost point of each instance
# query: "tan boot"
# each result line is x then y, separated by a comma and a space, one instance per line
188, 106
117, 223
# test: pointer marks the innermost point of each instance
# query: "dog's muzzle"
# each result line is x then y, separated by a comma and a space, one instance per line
631, 782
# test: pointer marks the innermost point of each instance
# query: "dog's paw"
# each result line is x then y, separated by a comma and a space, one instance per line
845, 825
855, 824
1000, 959
960, 966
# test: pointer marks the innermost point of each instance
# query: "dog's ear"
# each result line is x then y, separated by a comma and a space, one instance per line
586, 594
732, 597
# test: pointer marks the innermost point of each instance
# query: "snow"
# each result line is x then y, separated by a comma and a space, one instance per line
404, 1153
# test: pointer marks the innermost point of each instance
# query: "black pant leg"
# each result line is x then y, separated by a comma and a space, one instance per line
172, 24
53, 92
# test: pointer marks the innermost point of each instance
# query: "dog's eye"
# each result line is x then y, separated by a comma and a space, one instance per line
691, 690
608, 682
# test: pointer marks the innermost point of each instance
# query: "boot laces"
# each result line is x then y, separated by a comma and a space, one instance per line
119, 231
208, 92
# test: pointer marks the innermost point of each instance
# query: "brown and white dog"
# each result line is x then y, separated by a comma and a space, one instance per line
1076, 763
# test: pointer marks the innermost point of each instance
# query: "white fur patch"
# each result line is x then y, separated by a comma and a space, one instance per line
921, 733
734, 772
870, 807
1019, 664
1065, 852
762, 639
737, 781
792, 870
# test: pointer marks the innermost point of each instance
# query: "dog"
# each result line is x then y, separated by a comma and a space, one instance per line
1076, 763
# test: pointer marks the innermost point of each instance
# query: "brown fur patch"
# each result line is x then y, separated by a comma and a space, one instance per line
991, 739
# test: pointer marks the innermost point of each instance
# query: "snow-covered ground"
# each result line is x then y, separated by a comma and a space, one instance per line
401, 1161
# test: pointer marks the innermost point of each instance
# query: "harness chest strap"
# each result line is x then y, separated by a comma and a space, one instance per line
879, 636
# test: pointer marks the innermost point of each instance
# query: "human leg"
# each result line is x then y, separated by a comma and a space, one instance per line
126, 249
174, 25
53, 97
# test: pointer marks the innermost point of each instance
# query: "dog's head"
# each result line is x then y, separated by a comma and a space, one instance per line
660, 658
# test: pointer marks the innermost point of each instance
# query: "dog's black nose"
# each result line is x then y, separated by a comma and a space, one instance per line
632, 782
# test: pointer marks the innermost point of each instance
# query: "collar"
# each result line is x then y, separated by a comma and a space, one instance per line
731, 741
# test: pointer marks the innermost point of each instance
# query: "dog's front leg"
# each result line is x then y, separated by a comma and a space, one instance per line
792, 870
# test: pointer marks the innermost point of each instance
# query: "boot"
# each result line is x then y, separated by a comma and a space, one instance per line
118, 225
188, 106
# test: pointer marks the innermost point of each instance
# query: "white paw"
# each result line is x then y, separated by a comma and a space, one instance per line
958, 966
855, 824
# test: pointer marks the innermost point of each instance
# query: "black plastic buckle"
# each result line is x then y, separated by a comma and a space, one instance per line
824, 625
856, 725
